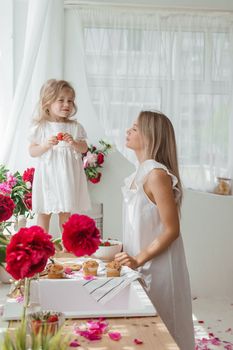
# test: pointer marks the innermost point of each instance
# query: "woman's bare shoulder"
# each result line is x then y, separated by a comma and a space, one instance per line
158, 177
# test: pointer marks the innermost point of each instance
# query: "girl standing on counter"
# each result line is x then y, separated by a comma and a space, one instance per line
152, 242
59, 185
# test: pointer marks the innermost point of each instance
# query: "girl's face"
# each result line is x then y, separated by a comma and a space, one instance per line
134, 138
63, 106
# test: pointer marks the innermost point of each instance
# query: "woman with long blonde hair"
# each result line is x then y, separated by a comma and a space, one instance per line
152, 241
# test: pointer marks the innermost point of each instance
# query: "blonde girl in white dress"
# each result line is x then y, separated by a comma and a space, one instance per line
152, 241
59, 185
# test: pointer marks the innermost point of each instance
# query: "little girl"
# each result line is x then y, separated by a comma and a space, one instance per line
151, 237
59, 185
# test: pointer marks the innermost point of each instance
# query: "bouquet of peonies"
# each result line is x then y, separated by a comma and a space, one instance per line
93, 161
19, 188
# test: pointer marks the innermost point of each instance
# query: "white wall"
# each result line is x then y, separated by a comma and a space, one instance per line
207, 228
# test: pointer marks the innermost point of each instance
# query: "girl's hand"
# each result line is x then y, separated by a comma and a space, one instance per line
68, 138
127, 260
52, 141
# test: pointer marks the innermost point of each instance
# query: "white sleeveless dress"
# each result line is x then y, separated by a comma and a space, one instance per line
59, 183
166, 275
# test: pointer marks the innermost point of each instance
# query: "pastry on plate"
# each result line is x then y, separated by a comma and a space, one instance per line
55, 271
113, 269
90, 268
73, 266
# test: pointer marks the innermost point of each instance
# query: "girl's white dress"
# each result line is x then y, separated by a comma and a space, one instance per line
166, 275
59, 183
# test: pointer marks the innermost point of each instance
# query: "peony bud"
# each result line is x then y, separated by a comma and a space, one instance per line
28, 185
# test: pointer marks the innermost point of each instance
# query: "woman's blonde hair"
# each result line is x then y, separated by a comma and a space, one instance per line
48, 94
160, 142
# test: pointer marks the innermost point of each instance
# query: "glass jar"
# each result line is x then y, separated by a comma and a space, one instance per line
223, 186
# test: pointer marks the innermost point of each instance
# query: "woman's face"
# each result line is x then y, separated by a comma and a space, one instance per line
134, 138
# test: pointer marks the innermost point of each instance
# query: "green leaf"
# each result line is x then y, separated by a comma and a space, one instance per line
2, 254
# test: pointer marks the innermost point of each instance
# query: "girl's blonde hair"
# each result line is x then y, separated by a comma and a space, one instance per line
160, 142
48, 94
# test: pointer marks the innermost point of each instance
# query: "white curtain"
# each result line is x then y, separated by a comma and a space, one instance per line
6, 60
177, 62
42, 59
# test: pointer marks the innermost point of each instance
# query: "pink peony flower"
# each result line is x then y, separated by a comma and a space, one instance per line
11, 180
91, 158
5, 188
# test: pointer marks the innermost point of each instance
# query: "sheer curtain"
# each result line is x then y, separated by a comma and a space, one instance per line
6, 60
42, 59
176, 62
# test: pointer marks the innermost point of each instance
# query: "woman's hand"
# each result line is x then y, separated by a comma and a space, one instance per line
127, 260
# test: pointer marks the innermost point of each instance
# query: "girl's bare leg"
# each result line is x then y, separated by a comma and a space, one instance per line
63, 217
43, 220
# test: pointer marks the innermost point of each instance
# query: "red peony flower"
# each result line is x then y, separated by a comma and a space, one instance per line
28, 175
6, 207
100, 158
96, 179
80, 235
28, 200
28, 252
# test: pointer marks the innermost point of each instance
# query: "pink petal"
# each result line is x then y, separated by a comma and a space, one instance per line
228, 347
215, 341
101, 326
89, 278
138, 341
68, 271
91, 335
74, 344
20, 299
115, 335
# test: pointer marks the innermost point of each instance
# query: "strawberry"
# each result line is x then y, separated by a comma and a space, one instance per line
52, 318
107, 244
60, 136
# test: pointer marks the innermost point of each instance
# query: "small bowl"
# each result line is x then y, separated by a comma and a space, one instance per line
107, 253
38, 324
